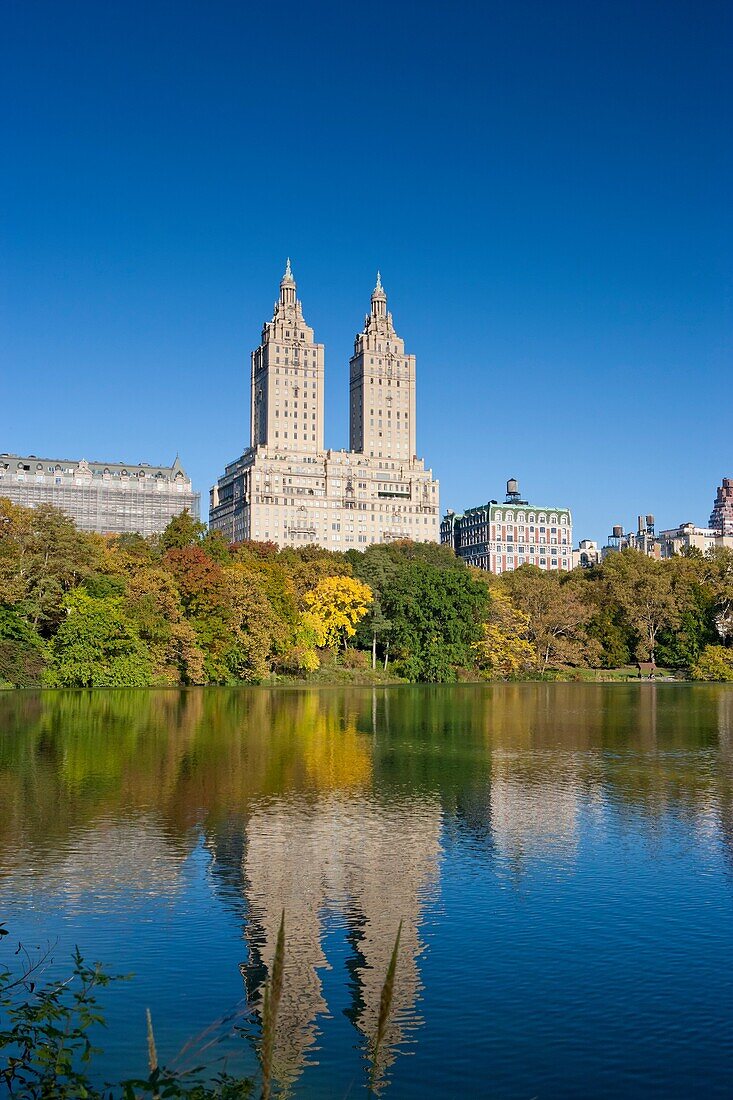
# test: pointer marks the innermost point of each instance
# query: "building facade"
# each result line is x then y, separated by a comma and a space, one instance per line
644, 539
286, 487
686, 537
721, 519
110, 498
501, 537
587, 554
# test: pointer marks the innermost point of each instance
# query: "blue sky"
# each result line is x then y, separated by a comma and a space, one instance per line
546, 189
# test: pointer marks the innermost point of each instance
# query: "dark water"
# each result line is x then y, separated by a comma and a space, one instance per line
561, 857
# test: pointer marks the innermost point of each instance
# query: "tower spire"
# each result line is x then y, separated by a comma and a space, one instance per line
287, 286
379, 299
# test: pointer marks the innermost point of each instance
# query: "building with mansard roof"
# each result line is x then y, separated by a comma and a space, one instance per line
112, 498
501, 537
287, 487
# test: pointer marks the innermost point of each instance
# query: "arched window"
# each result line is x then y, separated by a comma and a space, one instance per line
497, 517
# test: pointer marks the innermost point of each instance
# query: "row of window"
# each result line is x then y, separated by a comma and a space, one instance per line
520, 517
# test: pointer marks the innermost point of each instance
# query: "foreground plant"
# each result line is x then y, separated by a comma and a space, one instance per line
385, 1009
48, 1050
47, 1036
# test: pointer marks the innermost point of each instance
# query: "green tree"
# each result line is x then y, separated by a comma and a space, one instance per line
182, 531
97, 646
23, 653
719, 576
42, 558
259, 634
646, 592
153, 604
436, 615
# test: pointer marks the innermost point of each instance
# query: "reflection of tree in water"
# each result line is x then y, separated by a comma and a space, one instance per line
332, 801
725, 795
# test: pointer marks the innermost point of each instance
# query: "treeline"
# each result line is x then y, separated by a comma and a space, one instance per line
82, 610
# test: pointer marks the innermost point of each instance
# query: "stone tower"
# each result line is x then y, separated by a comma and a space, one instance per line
382, 388
287, 378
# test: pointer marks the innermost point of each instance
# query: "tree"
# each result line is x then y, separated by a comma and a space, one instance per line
645, 591
436, 615
336, 605
557, 616
182, 531
680, 646
308, 565
380, 627
42, 558
719, 575
715, 663
23, 653
97, 646
259, 635
153, 604
503, 650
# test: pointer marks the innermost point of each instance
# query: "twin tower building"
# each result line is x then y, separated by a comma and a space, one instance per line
287, 488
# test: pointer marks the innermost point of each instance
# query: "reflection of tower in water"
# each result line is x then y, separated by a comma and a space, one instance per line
375, 864
392, 867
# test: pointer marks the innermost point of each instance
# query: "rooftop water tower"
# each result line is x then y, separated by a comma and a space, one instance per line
512, 492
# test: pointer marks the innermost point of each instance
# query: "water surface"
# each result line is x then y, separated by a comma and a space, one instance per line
561, 857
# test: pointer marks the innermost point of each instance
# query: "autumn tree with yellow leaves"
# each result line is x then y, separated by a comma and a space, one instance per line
503, 650
335, 607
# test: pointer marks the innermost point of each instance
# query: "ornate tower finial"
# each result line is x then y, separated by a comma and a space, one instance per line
379, 299
287, 286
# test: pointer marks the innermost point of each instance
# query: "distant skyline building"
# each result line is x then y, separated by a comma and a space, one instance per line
286, 487
107, 497
644, 539
721, 519
586, 555
684, 538
500, 537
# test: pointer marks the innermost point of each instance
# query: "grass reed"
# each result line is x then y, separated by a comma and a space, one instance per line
385, 1007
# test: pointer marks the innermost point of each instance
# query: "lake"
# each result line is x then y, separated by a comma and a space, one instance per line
560, 855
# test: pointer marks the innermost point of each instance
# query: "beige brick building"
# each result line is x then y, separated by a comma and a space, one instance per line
287, 487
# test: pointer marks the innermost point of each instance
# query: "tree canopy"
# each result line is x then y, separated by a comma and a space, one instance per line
80, 610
